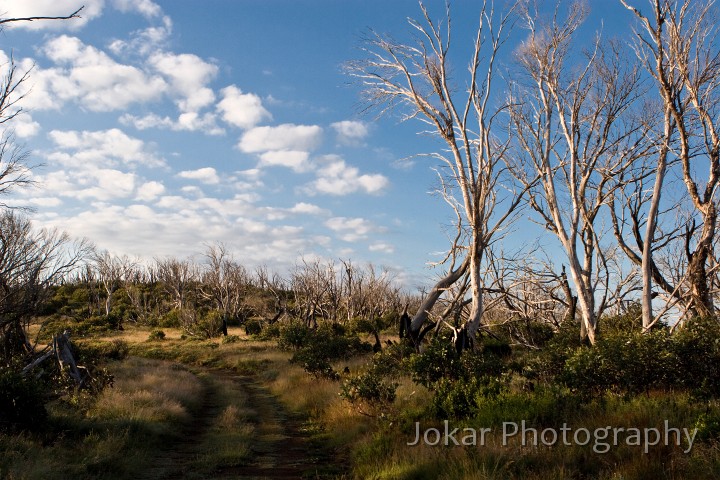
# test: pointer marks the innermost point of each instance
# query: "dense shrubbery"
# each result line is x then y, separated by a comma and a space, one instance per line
22, 399
373, 390
316, 348
633, 362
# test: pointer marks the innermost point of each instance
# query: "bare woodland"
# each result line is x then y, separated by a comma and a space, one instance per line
611, 147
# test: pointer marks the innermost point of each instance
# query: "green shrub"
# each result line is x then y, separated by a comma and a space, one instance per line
440, 361
156, 335
369, 391
293, 335
230, 339
270, 332
170, 320
22, 399
627, 363
316, 348
97, 352
253, 327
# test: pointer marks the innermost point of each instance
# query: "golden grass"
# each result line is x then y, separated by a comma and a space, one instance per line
376, 448
149, 391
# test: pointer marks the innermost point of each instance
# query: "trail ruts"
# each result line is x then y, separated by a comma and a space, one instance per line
281, 446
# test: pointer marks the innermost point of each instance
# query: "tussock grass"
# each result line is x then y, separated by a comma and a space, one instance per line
149, 392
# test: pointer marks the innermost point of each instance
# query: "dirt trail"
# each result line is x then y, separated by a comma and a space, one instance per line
281, 446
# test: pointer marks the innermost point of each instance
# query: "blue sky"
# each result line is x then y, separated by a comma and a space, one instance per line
163, 126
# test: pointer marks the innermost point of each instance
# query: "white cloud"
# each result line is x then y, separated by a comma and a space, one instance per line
382, 247
147, 8
45, 201
89, 184
188, 75
352, 229
350, 132
100, 148
308, 209
207, 175
244, 110
90, 77
150, 191
189, 121
338, 178
144, 41
298, 161
24, 126
51, 8
282, 137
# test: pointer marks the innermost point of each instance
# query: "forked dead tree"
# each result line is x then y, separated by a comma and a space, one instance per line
417, 79
678, 46
569, 118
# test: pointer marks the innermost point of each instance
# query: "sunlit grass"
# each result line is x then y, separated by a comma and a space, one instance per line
148, 392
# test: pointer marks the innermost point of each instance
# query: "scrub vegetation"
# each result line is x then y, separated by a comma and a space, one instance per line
600, 365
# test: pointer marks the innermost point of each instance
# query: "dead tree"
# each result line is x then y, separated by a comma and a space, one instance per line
677, 46
417, 79
569, 120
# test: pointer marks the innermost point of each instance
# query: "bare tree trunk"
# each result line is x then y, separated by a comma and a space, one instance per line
421, 316
651, 227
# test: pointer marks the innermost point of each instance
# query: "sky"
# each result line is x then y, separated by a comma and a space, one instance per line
162, 127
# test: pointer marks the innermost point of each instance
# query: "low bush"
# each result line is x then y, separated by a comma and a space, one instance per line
230, 339
316, 348
22, 399
253, 327
156, 335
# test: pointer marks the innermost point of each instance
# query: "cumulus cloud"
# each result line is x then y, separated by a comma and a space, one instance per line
188, 75
350, 132
100, 148
352, 229
287, 136
89, 184
147, 8
296, 160
244, 110
144, 41
149, 191
382, 247
336, 177
189, 121
24, 126
89, 76
307, 208
207, 175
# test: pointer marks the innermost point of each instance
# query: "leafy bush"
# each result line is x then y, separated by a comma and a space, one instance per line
294, 335
253, 327
171, 319
22, 399
635, 362
316, 348
440, 361
695, 356
203, 324
270, 332
369, 391
97, 352
156, 335
230, 339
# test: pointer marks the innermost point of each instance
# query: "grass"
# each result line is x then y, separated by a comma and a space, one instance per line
154, 397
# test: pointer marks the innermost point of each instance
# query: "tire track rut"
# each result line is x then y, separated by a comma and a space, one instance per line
281, 444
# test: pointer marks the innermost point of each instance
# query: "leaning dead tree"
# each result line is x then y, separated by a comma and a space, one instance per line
416, 79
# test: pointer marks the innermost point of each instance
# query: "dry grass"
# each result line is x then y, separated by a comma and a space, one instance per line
149, 391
